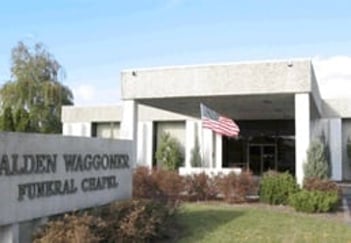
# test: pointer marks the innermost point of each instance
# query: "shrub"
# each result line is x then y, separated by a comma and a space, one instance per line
317, 164
138, 221
158, 184
128, 221
275, 188
322, 185
168, 153
200, 187
317, 184
70, 228
145, 185
235, 188
170, 183
314, 201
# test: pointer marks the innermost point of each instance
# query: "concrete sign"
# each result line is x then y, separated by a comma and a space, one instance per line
42, 175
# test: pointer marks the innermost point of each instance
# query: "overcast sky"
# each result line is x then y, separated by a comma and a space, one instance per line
95, 39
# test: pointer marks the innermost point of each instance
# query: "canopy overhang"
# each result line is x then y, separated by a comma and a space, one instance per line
243, 91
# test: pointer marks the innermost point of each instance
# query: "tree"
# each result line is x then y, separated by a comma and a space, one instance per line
168, 153
317, 164
35, 92
7, 123
22, 121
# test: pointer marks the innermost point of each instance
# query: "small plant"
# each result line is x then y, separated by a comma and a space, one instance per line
144, 184
323, 185
317, 164
314, 201
129, 221
157, 184
138, 220
200, 187
235, 187
170, 183
168, 152
275, 188
71, 228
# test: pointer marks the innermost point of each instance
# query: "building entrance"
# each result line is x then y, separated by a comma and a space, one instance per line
262, 157
262, 145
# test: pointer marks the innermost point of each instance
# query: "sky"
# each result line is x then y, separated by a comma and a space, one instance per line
95, 39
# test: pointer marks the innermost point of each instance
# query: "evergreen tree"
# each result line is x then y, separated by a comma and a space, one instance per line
168, 153
317, 164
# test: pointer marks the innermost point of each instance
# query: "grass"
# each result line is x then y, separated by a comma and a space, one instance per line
226, 223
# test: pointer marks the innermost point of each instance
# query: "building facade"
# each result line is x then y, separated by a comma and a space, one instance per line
277, 105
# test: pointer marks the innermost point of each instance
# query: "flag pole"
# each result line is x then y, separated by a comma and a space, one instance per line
203, 146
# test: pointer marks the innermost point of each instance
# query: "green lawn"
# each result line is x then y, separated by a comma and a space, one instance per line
226, 223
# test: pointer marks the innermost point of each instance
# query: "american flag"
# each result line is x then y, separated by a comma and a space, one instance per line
217, 123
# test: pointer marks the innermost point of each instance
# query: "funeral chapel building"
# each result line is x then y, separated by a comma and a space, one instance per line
276, 104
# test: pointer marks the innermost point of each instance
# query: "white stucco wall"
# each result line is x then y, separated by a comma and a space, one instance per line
73, 114
218, 79
81, 129
76, 114
107, 129
337, 108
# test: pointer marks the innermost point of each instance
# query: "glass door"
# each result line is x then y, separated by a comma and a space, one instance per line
269, 158
254, 157
262, 157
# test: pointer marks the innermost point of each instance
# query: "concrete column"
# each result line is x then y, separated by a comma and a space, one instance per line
302, 133
190, 136
335, 148
144, 143
219, 151
141, 157
129, 125
9, 233
208, 147
149, 142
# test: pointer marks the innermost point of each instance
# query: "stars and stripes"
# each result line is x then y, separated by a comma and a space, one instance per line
217, 123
